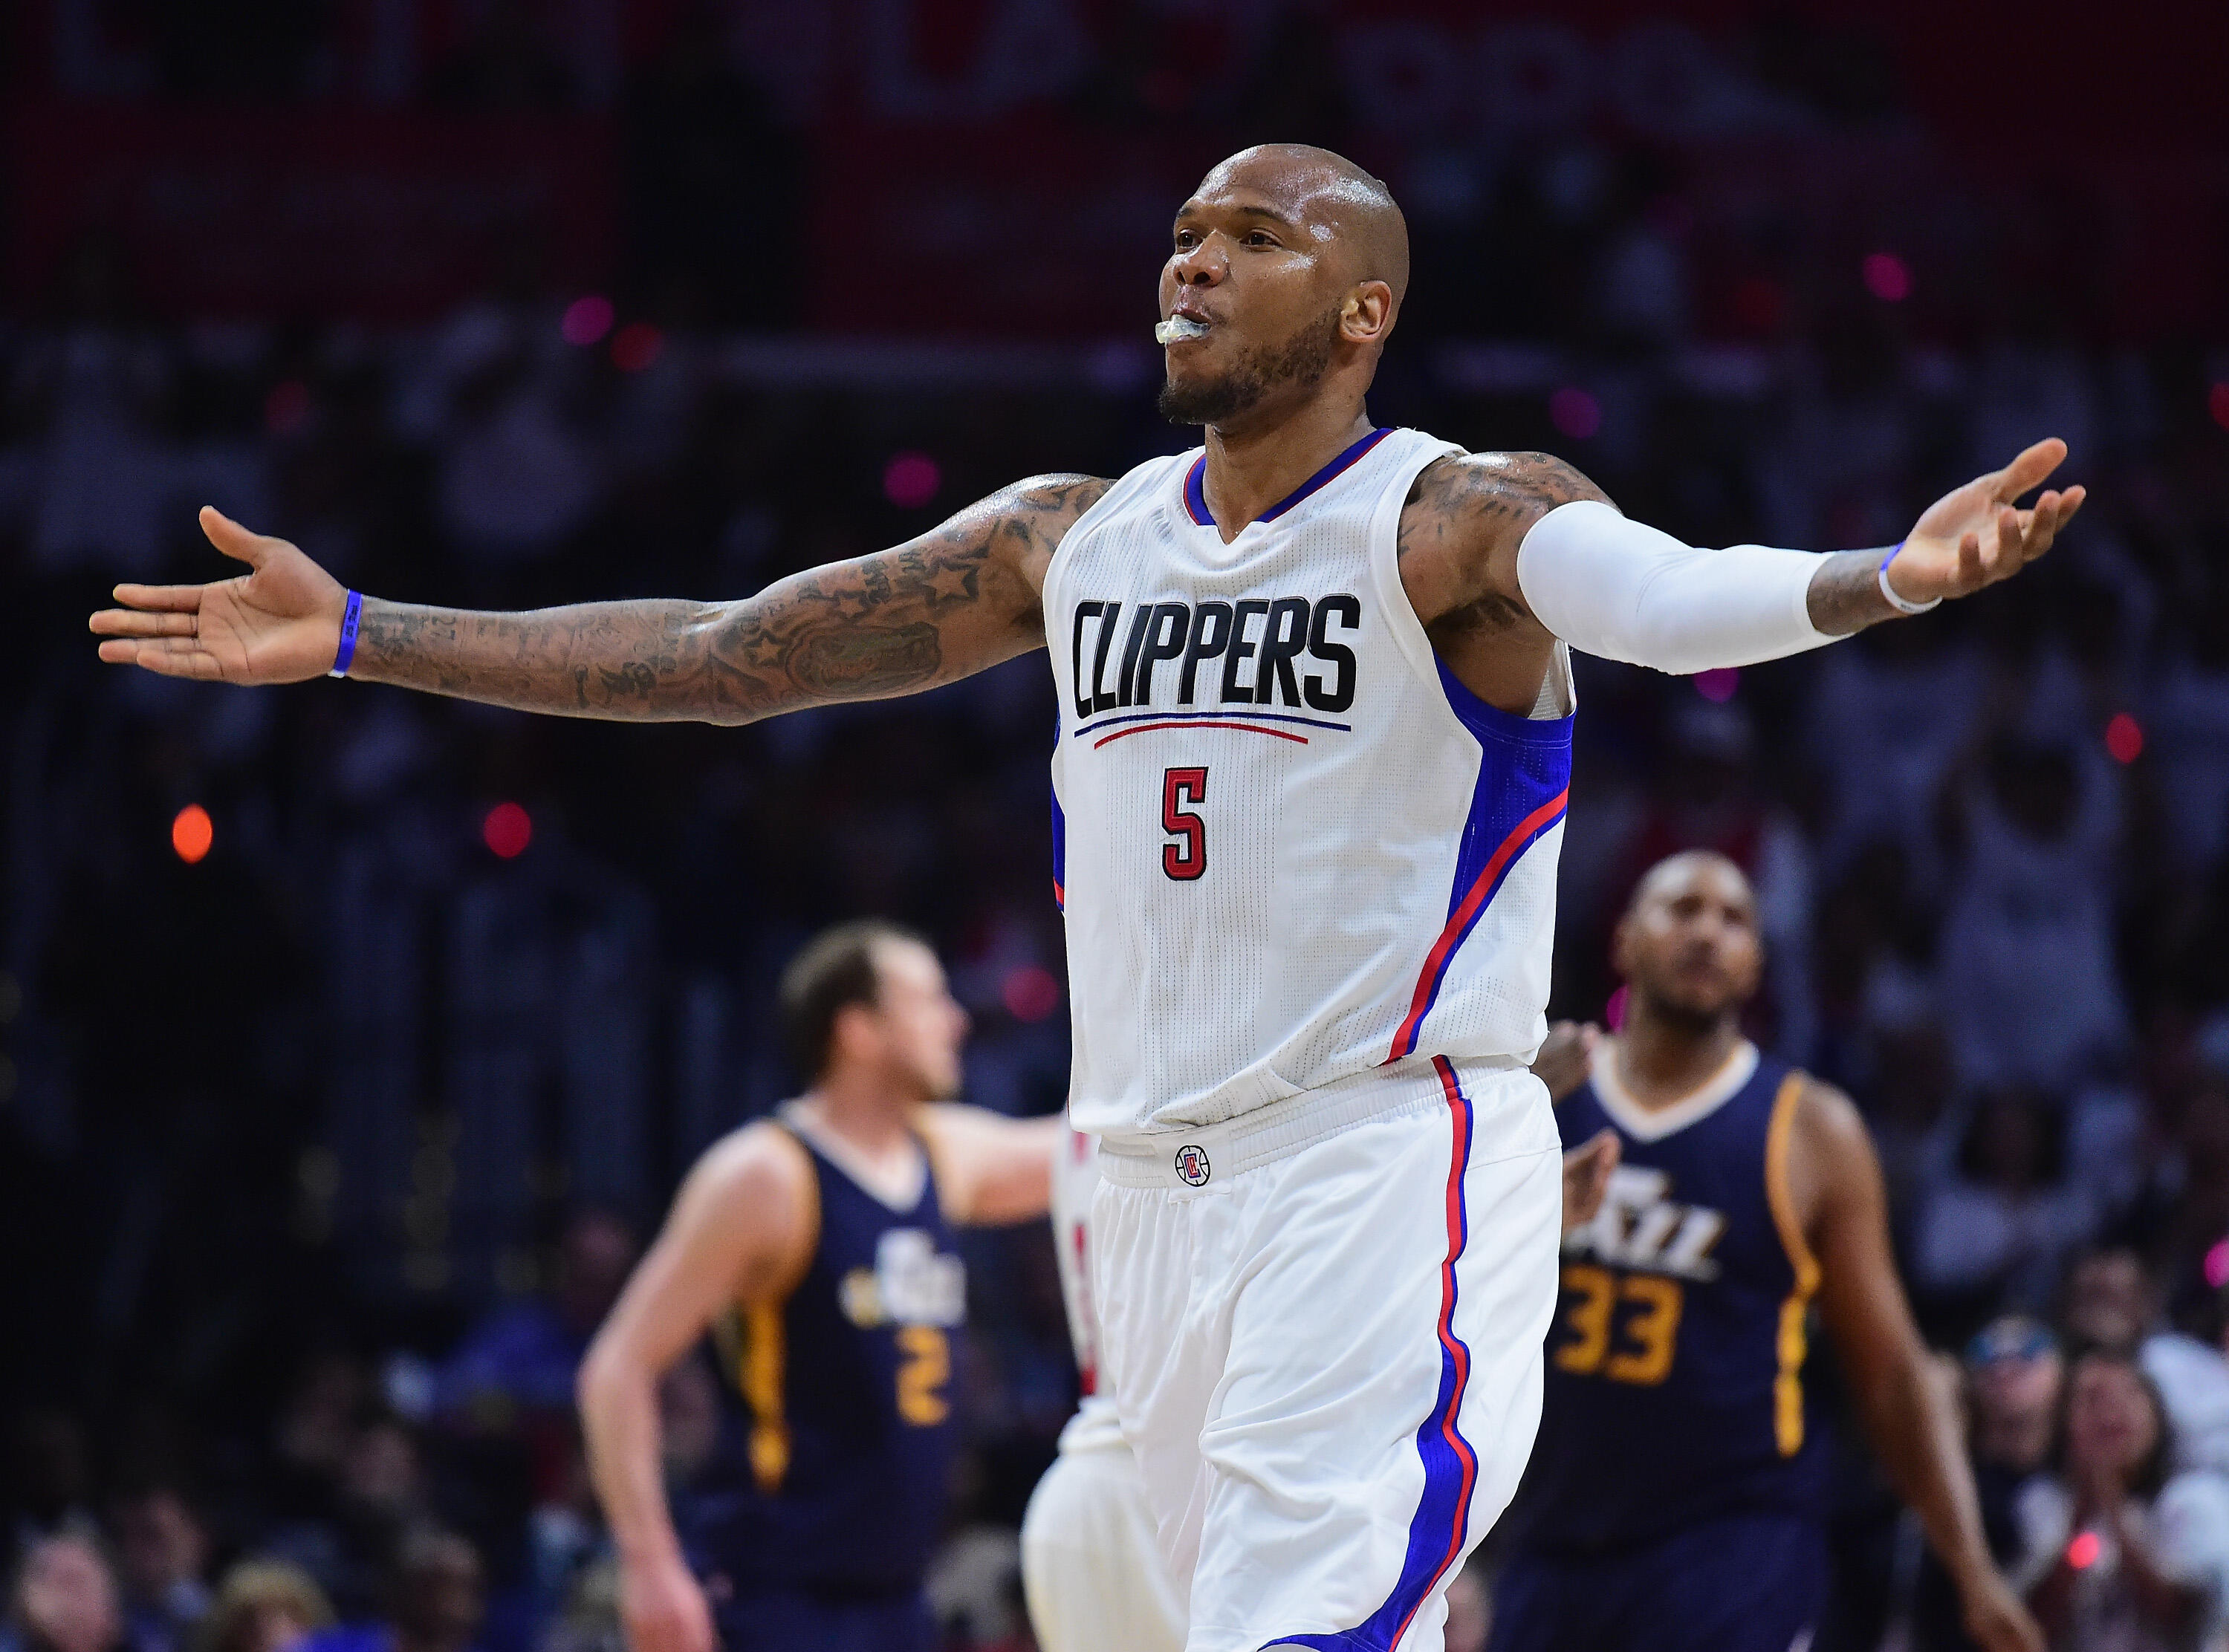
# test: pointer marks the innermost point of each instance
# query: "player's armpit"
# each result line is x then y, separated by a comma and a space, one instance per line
990, 1169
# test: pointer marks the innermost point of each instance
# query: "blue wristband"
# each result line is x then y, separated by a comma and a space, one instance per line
355, 612
1902, 604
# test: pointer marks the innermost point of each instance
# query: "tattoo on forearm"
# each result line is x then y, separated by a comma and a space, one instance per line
1845, 593
939, 607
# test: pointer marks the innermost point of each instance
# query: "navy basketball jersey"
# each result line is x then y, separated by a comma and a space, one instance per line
1674, 1368
837, 1434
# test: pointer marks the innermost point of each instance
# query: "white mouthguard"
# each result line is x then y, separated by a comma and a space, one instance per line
1177, 327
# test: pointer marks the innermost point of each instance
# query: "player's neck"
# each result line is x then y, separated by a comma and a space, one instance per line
1251, 467
859, 1111
1662, 1061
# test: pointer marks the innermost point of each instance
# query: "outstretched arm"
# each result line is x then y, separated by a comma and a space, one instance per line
1504, 553
1908, 1413
954, 602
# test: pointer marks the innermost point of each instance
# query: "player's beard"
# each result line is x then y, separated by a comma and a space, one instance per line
1301, 359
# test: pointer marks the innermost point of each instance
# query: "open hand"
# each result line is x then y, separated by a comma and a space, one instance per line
280, 622
1975, 535
1586, 1176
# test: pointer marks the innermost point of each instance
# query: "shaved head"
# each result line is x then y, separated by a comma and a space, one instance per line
1688, 942
1319, 186
1289, 269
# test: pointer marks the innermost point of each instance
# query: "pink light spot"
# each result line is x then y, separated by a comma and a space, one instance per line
2124, 738
911, 480
636, 346
286, 406
1887, 276
2217, 1263
2217, 403
1030, 992
1575, 412
1717, 687
507, 830
587, 320
2082, 1551
1613, 1011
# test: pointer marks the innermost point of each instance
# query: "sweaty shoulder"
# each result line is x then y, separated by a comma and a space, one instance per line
1461, 526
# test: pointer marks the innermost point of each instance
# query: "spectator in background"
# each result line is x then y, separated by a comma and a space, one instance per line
378, 1497
2013, 1381
516, 1368
1997, 1231
163, 1552
2027, 946
264, 1606
65, 1599
2113, 1303
436, 1601
2116, 1555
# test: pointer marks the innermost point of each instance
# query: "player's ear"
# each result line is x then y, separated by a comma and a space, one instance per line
1365, 314
1620, 948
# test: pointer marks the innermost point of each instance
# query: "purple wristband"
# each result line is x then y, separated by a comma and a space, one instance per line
349, 618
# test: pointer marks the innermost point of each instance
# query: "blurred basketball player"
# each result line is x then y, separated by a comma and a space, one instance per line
816, 1248
1676, 1496
1314, 752
1095, 1581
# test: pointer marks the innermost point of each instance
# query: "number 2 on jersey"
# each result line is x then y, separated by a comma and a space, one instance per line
1186, 858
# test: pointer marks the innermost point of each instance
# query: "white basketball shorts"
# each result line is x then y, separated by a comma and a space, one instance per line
1323, 1333
1091, 1567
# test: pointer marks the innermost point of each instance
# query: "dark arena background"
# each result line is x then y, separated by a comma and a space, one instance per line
352, 1042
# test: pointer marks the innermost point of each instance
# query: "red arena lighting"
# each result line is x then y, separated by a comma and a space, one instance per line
191, 833
637, 344
507, 830
2124, 738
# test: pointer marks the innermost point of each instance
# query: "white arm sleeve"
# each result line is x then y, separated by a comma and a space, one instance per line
1613, 587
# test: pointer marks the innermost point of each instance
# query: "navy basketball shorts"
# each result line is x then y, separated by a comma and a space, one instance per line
790, 1621
1744, 1583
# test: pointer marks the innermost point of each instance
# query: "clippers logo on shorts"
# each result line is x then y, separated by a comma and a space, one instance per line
1639, 1227
1192, 1165
1255, 652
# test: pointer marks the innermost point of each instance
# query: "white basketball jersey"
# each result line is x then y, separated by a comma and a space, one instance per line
1291, 845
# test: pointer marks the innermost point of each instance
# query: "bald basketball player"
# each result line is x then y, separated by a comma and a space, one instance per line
1314, 753
1677, 1501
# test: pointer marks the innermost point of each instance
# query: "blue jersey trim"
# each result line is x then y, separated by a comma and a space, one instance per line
1195, 488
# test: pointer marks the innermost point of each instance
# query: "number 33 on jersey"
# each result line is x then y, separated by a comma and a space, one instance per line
1291, 847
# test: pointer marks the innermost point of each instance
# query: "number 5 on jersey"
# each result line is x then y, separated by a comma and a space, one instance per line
1186, 858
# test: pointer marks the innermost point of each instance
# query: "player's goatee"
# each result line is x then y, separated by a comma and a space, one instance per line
1303, 359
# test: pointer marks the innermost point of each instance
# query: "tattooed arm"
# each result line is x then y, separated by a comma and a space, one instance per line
1502, 553
943, 606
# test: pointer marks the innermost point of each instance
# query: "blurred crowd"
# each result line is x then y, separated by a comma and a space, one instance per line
328, 1133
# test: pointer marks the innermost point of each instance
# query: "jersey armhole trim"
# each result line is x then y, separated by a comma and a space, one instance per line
785, 1285
1777, 1193
1793, 1335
